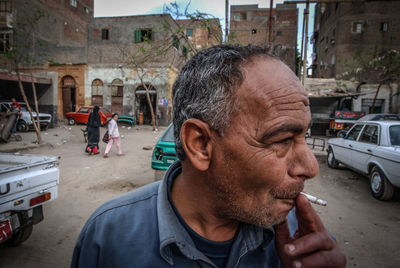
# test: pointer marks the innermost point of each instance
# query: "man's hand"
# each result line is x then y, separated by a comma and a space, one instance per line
311, 245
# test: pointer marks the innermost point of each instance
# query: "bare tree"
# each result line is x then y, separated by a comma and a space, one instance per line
376, 68
22, 55
142, 55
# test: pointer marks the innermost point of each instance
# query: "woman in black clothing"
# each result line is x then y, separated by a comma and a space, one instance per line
93, 128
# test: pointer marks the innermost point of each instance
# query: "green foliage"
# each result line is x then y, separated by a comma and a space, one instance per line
53, 63
23, 50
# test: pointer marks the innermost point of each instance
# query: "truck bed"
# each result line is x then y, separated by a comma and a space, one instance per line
25, 176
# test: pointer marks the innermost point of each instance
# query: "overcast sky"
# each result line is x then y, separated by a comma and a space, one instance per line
103, 8
107, 8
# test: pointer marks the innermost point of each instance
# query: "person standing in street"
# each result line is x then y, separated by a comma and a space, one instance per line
15, 107
113, 136
93, 129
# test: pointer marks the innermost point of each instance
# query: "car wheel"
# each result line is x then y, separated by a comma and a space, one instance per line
71, 121
332, 162
22, 126
19, 236
381, 188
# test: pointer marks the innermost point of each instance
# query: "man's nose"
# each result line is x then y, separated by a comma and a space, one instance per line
304, 164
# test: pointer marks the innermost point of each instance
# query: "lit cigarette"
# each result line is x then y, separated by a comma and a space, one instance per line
315, 200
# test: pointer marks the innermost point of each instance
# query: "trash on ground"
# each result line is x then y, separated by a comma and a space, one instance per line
147, 147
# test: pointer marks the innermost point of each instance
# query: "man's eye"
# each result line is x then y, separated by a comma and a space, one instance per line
285, 141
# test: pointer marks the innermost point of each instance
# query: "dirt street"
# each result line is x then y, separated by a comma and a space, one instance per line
366, 229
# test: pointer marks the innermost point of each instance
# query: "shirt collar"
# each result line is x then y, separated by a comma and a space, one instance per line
172, 232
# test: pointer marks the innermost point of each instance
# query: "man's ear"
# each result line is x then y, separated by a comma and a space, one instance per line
196, 141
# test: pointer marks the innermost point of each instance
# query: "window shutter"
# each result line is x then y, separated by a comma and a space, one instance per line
138, 36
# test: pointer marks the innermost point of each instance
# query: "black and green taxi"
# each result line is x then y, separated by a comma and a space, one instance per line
164, 153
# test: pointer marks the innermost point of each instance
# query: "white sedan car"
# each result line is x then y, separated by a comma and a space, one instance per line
371, 148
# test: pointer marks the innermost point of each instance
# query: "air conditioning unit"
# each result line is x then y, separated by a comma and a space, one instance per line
6, 20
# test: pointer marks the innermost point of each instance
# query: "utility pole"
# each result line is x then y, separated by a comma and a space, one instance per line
302, 47
226, 20
306, 12
271, 6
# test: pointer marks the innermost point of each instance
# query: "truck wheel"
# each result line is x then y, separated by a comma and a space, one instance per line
20, 236
71, 121
22, 126
332, 162
380, 186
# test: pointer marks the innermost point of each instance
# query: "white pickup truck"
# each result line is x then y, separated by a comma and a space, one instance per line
26, 183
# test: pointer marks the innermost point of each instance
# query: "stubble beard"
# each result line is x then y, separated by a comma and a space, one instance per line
229, 205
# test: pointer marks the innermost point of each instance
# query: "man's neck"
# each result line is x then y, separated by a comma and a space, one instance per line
198, 209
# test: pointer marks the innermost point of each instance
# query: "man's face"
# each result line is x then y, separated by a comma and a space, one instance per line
261, 161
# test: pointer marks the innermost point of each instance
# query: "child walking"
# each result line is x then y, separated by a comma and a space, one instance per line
113, 136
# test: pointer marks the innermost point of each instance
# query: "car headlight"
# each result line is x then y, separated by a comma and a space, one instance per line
159, 153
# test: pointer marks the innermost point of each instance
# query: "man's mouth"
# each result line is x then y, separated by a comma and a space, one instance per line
289, 196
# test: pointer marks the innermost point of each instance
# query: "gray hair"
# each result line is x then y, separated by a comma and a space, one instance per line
206, 86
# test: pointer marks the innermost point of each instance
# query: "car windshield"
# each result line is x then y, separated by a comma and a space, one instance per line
394, 132
83, 110
169, 135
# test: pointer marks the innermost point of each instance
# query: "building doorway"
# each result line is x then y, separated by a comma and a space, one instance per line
117, 94
366, 106
142, 105
97, 92
68, 94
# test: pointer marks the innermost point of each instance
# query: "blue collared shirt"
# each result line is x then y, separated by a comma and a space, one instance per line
140, 229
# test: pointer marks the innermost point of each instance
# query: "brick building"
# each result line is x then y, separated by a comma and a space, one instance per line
249, 24
341, 30
125, 52
202, 33
53, 34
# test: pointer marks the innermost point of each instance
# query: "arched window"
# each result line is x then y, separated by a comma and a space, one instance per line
97, 87
97, 92
117, 94
117, 88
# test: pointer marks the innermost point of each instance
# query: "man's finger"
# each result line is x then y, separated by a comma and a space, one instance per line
307, 217
324, 258
310, 243
282, 234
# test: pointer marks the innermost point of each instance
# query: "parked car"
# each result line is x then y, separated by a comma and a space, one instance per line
25, 122
164, 153
371, 148
82, 115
